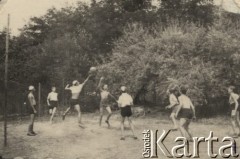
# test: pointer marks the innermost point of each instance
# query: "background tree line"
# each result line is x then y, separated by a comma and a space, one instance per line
144, 45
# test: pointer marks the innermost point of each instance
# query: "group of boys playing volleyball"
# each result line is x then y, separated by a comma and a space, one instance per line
181, 105
183, 109
125, 102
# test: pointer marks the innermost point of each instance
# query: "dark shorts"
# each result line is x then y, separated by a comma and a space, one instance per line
74, 102
232, 106
126, 111
53, 104
105, 105
30, 110
186, 113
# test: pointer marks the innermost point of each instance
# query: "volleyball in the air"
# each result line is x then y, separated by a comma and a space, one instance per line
92, 70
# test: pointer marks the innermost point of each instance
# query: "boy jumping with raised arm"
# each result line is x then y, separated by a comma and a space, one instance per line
234, 105
75, 89
105, 101
125, 102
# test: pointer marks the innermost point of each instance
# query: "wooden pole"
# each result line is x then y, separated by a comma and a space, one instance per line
155, 92
39, 99
6, 82
63, 93
221, 8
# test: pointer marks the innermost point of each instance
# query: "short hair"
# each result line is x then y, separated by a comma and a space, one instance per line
172, 90
31, 88
123, 88
105, 85
183, 89
74, 82
232, 88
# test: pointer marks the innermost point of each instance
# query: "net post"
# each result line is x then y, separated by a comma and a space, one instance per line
39, 99
6, 82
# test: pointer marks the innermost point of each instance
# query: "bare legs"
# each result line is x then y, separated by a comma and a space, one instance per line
109, 113
50, 111
65, 113
53, 111
122, 128
131, 126
101, 115
30, 127
235, 124
108, 117
184, 128
238, 122
78, 109
173, 118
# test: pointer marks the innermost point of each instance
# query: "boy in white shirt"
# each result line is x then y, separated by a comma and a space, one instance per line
52, 101
125, 102
234, 105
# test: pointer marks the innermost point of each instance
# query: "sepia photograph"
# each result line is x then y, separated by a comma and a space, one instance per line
119, 79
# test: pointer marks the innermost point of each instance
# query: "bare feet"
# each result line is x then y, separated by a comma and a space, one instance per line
63, 117
135, 137
175, 128
81, 125
31, 134
234, 135
107, 123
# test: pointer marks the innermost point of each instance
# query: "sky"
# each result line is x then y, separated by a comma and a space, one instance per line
22, 10
229, 5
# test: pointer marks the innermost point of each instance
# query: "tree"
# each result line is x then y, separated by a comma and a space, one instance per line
197, 11
177, 54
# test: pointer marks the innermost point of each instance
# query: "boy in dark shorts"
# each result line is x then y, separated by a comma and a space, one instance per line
31, 108
234, 105
105, 102
174, 106
52, 101
125, 102
186, 112
75, 89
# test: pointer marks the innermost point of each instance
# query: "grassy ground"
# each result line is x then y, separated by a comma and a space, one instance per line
65, 140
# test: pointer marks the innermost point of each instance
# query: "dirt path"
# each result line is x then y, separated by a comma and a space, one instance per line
65, 140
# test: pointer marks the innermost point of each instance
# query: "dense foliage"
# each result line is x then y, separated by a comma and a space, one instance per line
144, 45
204, 59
